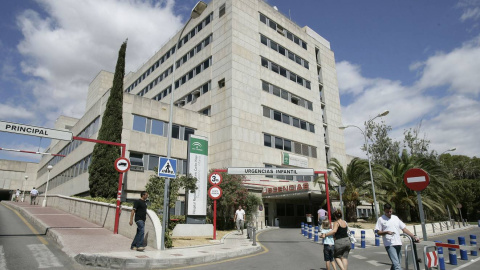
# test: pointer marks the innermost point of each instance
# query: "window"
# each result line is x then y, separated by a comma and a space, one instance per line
139, 123
136, 159
206, 111
263, 39
272, 24
273, 45
284, 94
187, 132
264, 63
263, 18
278, 143
276, 91
153, 162
287, 145
303, 124
176, 131
281, 50
221, 11
277, 116
221, 83
157, 127
286, 119
266, 112
267, 140
265, 86
296, 122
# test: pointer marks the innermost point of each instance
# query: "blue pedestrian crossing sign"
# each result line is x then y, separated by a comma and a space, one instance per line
167, 167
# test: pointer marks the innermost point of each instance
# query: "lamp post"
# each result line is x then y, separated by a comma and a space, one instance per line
24, 185
49, 168
196, 12
449, 150
368, 156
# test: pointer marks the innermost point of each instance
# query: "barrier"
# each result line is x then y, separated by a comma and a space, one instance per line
452, 247
413, 251
377, 238
352, 244
430, 258
362, 242
315, 238
473, 242
463, 252
452, 253
441, 259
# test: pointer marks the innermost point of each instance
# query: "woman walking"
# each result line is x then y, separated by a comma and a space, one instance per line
342, 242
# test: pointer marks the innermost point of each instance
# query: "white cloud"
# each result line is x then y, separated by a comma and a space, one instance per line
66, 44
448, 120
471, 9
349, 78
8, 111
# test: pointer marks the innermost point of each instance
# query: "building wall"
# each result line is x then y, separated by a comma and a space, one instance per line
12, 175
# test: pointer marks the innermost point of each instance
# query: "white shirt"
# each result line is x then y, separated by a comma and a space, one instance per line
240, 214
393, 224
34, 192
17, 192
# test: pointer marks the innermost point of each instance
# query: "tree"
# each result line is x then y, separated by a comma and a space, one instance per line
356, 181
103, 178
251, 205
418, 146
382, 148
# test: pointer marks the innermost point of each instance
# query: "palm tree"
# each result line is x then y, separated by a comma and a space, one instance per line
391, 187
355, 179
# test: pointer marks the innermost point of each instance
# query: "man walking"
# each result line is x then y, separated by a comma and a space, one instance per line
389, 227
140, 212
33, 196
239, 218
322, 215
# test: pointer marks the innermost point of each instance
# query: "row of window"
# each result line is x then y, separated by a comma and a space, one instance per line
285, 52
157, 127
288, 177
156, 81
192, 96
193, 72
285, 73
288, 145
68, 174
204, 43
150, 162
279, 92
87, 132
170, 53
284, 32
287, 119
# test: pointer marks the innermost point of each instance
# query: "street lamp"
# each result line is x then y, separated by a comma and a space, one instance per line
449, 150
196, 12
24, 185
49, 168
368, 156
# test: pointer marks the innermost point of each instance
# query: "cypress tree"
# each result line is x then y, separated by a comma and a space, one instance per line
103, 178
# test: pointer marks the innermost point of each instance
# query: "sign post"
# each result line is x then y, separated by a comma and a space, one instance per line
417, 180
36, 131
215, 193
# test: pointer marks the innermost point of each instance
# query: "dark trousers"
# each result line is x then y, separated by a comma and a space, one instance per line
138, 240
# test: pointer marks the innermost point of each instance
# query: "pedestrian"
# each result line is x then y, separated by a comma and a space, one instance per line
17, 195
389, 227
342, 242
33, 196
239, 218
322, 215
328, 245
140, 212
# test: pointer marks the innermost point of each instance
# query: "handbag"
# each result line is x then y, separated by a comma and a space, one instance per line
350, 235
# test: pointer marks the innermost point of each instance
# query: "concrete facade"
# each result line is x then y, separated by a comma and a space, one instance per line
253, 82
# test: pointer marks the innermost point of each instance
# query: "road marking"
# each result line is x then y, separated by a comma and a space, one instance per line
375, 263
45, 242
3, 263
44, 256
359, 257
467, 264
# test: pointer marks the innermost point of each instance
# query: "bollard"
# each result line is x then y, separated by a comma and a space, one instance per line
315, 238
377, 239
362, 242
473, 242
448, 227
301, 231
441, 229
352, 244
254, 236
463, 253
452, 253
433, 228
453, 224
249, 231
305, 230
309, 231
479, 223
441, 259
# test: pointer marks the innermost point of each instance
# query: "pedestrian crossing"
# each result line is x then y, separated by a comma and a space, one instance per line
43, 256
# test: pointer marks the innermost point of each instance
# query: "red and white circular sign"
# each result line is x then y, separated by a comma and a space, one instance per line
215, 192
122, 165
215, 178
416, 179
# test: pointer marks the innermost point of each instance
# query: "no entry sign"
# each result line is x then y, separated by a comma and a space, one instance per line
416, 179
215, 192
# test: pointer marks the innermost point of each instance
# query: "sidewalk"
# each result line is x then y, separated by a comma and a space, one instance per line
93, 245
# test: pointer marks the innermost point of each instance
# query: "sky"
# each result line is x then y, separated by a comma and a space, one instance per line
418, 59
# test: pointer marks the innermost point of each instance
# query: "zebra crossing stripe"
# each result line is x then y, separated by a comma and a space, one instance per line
3, 263
44, 256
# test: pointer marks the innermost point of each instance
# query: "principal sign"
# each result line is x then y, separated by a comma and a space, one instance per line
270, 171
36, 131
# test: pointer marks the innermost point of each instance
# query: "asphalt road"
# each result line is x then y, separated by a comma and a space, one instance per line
287, 249
23, 246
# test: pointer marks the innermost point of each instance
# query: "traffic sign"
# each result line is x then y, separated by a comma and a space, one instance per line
215, 179
416, 179
167, 167
36, 131
215, 192
122, 165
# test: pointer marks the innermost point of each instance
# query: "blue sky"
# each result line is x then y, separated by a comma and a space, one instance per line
418, 59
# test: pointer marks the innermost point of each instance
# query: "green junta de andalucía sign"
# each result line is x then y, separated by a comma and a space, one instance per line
198, 146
